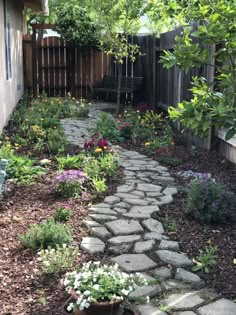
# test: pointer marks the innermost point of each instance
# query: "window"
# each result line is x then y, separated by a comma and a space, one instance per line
7, 30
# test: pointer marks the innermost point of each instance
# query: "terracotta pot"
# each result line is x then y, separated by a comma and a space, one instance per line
101, 308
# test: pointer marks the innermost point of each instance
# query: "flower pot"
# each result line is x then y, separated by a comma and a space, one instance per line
99, 308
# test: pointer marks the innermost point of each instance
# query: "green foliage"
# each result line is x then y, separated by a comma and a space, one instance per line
99, 184
71, 162
21, 168
170, 225
62, 214
216, 27
206, 259
57, 260
208, 201
106, 127
76, 26
48, 233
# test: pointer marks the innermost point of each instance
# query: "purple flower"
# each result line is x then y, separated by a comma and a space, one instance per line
72, 175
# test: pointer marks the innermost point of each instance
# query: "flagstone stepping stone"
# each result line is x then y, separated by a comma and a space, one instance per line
149, 310
185, 313
173, 285
153, 226
112, 200
125, 188
170, 245
150, 290
120, 210
102, 217
132, 168
138, 193
145, 209
120, 249
136, 215
137, 161
176, 259
170, 191
162, 179
129, 153
137, 202
162, 273
153, 236
142, 247
100, 205
90, 223
183, 301
100, 231
123, 227
220, 307
134, 262
122, 205
104, 211
92, 245
164, 200
149, 187
186, 276
117, 240
127, 195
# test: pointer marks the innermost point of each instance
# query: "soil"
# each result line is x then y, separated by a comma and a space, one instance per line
23, 290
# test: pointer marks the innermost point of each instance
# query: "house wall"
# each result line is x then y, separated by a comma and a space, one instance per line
11, 90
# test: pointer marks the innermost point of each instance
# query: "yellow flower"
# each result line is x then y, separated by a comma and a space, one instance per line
147, 143
97, 150
8, 145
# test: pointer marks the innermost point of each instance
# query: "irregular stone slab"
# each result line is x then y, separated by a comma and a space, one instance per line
153, 236
149, 310
137, 202
162, 179
124, 239
134, 262
153, 226
145, 209
122, 205
100, 205
150, 290
138, 193
112, 200
124, 227
145, 276
170, 191
185, 313
90, 223
176, 259
170, 245
137, 215
102, 217
92, 245
172, 285
154, 194
104, 211
186, 276
120, 249
125, 188
132, 168
120, 210
142, 247
127, 195
220, 307
136, 162
183, 301
129, 153
100, 231
164, 200
162, 273
149, 188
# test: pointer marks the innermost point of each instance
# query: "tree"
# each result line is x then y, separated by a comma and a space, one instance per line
213, 103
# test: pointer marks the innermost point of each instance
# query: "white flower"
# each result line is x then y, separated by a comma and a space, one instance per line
96, 287
70, 307
147, 299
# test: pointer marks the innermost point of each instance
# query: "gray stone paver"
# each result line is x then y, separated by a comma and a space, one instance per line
147, 186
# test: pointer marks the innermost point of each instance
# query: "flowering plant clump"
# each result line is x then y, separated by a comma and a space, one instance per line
97, 144
54, 260
99, 283
125, 130
71, 183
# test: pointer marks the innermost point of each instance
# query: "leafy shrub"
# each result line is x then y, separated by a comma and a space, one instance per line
71, 183
208, 201
71, 162
107, 128
125, 130
49, 233
206, 259
62, 213
57, 260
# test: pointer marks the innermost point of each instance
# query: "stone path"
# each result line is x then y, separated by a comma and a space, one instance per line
122, 226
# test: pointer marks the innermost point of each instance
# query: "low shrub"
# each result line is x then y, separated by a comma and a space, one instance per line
48, 233
208, 201
57, 260
62, 213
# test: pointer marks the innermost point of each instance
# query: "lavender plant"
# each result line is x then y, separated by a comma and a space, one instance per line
208, 201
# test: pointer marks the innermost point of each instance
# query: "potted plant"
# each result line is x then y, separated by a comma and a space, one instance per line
97, 289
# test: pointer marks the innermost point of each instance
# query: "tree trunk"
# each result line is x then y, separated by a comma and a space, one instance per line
119, 68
